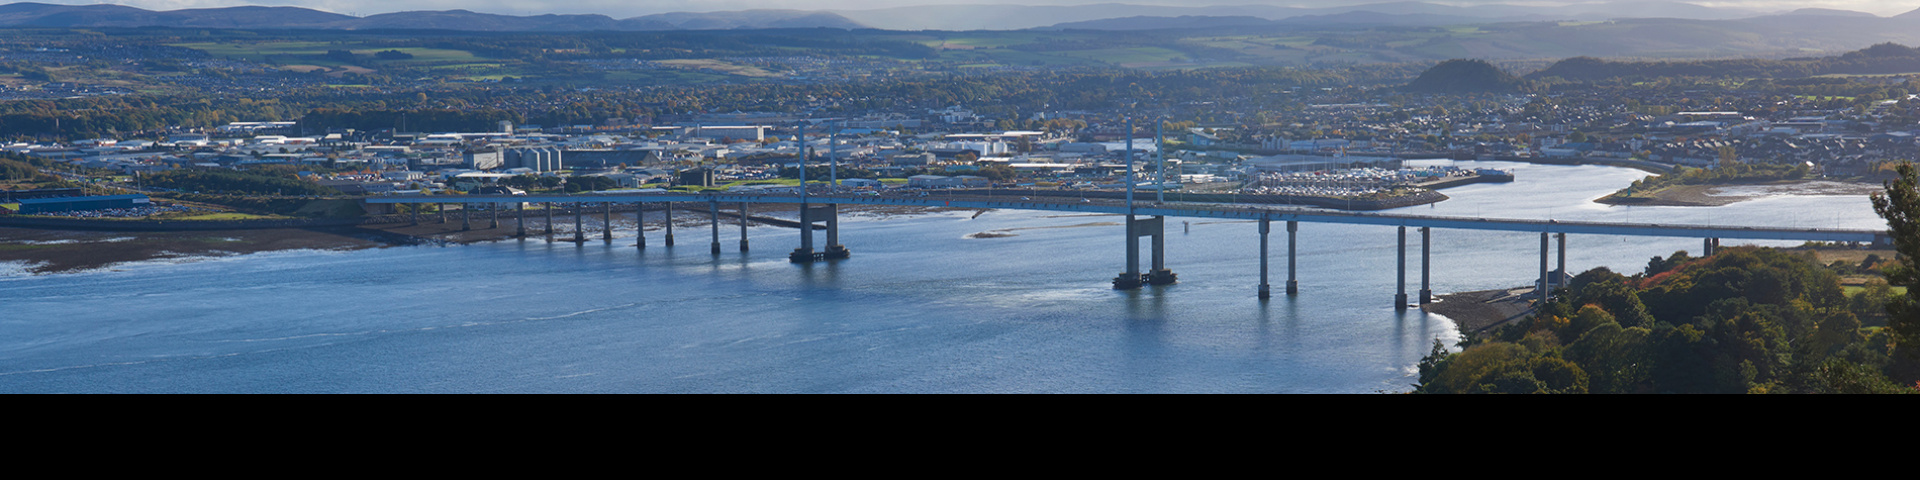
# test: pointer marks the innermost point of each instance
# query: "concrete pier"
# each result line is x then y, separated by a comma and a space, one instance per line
1129, 279
1561, 265
493, 209
549, 209
1265, 227
834, 250
1400, 290
1155, 229
579, 223
443, 212
713, 208
1544, 286
669, 223
809, 216
1160, 275
466, 217
640, 225
520, 209
743, 226
1426, 265
805, 252
606, 221
1293, 279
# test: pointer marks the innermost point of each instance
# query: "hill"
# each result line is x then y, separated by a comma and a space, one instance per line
1885, 58
253, 17
1467, 76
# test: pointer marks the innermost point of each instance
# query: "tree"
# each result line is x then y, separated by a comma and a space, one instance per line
1900, 206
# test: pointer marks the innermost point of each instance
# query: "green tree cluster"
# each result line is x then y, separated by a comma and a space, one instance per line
1747, 320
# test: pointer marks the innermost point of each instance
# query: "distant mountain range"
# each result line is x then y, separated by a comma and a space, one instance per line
72, 16
1111, 16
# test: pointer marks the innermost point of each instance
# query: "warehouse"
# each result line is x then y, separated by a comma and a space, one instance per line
33, 206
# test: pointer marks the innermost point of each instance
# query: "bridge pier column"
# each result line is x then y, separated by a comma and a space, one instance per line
520, 209
1426, 265
640, 225
1159, 275
1544, 286
1293, 279
713, 207
606, 222
466, 219
743, 226
579, 223
669, 224
805, 252
1560, 280
549, 209
1129, 279
413, 214
1400, 291
834, 249
443, 212
1265, 227
494, 221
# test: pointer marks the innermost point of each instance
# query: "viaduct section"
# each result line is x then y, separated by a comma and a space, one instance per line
817, 209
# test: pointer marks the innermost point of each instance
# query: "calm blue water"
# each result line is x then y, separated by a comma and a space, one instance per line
920, 307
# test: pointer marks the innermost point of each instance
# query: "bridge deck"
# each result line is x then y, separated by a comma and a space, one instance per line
1198, 210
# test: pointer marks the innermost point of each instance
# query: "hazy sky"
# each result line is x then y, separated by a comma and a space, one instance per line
631, 8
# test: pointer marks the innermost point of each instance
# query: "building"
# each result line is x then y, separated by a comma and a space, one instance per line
483, 160
744, 132
537, 159
32, 206
700, 177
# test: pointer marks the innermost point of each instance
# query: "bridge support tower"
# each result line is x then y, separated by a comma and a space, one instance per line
1154, 228
834, 250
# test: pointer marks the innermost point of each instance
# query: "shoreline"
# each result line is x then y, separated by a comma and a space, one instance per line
1479, 311
1716, 195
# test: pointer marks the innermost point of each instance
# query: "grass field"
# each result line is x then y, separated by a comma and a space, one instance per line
718, 66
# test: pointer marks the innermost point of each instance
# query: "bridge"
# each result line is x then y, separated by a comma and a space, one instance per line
816, 209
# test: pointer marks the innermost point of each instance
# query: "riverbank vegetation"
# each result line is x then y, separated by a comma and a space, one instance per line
1747, 320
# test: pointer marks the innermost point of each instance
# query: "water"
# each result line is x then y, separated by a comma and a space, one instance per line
919, 308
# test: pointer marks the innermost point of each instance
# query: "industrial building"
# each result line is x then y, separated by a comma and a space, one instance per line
33, 206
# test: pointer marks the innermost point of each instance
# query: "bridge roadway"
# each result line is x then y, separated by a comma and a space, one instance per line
1263, 213
1199, 210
